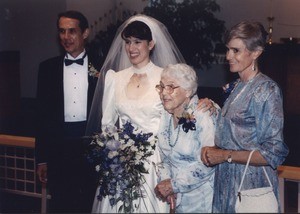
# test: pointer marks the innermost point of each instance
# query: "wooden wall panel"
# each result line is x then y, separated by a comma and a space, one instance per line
293, 85
9, 87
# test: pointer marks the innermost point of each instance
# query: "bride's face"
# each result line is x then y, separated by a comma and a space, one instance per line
138, 51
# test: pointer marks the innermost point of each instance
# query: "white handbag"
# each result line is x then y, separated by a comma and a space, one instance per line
258, 200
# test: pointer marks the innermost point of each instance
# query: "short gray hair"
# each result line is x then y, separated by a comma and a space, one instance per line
185, 74
253, 35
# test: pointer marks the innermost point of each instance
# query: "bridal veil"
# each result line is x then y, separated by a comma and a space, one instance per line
165, 52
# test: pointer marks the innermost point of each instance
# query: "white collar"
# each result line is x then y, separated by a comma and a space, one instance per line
144, 69
69, 56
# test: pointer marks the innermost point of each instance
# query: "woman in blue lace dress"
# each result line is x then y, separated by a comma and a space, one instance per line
251, 119
183, 132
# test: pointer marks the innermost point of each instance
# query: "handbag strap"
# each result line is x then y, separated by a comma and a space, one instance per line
248, 161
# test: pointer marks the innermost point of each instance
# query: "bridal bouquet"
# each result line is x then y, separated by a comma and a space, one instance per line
119, 156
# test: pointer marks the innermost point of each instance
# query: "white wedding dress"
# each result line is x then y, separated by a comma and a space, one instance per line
144, 112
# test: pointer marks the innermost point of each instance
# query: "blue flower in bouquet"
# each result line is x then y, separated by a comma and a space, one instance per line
119, 156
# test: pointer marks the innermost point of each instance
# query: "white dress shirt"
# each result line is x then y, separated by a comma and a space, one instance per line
76, 90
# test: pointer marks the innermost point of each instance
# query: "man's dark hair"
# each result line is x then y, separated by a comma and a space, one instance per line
83, 22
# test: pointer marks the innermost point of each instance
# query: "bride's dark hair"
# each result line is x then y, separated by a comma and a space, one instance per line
138, 30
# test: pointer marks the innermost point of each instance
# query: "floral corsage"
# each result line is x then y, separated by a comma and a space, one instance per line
118, 156
187, 120
228, 88
93, 72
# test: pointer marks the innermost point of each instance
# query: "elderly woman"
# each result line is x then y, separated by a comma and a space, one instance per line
183, 132
251, 119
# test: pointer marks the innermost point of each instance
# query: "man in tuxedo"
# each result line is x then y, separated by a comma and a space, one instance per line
64, 94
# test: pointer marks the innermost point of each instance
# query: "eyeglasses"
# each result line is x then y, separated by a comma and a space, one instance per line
168, 88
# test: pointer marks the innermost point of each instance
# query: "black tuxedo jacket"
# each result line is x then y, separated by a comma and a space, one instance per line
50, 115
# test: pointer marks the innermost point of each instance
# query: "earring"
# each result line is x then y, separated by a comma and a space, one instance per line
253, 66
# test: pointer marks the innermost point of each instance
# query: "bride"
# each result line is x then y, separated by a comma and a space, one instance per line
141, 48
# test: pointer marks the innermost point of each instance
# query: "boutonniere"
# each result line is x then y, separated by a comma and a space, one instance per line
228, 88
188, 120
93, 72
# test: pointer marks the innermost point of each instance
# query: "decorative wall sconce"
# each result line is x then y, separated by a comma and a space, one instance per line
270, 19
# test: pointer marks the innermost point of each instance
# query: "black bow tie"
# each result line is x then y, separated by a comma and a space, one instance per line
78, 61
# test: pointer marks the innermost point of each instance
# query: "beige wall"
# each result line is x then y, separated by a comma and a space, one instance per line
29, 26
101, 13
286, 13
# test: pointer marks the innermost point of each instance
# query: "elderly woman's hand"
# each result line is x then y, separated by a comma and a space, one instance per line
206, 104
164, 189
212, 155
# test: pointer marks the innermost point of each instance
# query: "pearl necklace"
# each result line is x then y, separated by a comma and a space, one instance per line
169, 134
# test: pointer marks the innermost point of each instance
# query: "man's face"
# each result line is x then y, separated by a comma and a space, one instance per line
71, 36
